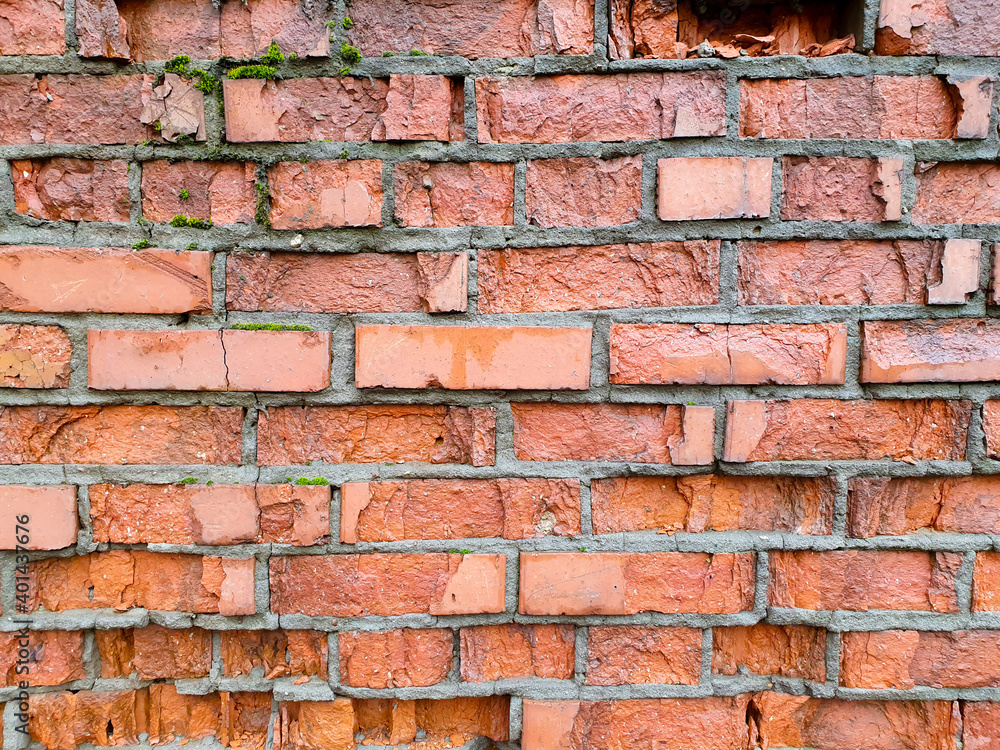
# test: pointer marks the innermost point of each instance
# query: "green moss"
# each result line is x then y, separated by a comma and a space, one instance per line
460, 551
178, 65
184, 194
317, 481
419, 53
142, 221
343, 153
292, 57
188, 480
267, 327
263, 215
345, 71
350, 55
192, 246
253, 71
157, 126
206, 82
180, 220
347, 23
142, 245
388, 53
209, 483
273, 56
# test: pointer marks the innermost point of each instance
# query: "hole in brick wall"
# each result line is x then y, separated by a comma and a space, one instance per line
733, 28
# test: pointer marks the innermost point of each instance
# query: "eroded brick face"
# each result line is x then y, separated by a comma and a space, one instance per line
553, 374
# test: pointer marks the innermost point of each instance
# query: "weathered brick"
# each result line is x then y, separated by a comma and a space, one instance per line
628, 583
54, 657
423, 108
932, 27
496, 652
343, 283
229, 360
155, 653
458, 509
447, 194
32, 27
986, 582
834, 188
906, 658
741, 188
930, 351
623, 107
643, 433
79, 279
321, 194
862, 580
56, 505
797, 505
785, 650
173, 716
957, 193
991, 426
633, 655
220, 192
120, 434
278, 653
34, 357
61, 721
584, 191
980, 725
372, 434
71, 189
220, 514
315, 725
395, 658
965, 505
452, 721
387, 584
647, 274
469, 358
834, 430
959, 275
707, 353
512, 28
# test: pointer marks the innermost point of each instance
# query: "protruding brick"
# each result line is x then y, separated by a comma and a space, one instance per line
71, 189
423, 108
51, 513
623, 107
834, 188
648, 274
986, 582
155, 653
276, 653
34, 357
33, 27
458, 509
797, 505
381, 584
451, 194
120, 434
643, 433
584, 191
77, 279
326, 194
53, 657
959, 273
459, 357
727, 187
930, 351
635, 655
941, 27
964, 505
372, 434
497, 652
628, 583
706, 353
862, 580
220, 192
785, 650
834, 430
395, 658
957, 193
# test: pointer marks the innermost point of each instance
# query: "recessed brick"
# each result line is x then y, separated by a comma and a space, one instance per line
51, 512
496, 652
423, 108
155, 653
395, 658
34, 357
834, 188
71, 189
54, 657
765, 649
450, 194
33, 27
278, 653
635, 655
740, 188
965, 505
326, 194
584, 191
991, 426
930, 351
943, 27
220, 192
67, 719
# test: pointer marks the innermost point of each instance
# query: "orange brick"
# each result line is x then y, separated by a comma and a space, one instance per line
54, 657
51, 517
444, 194
279, 653
741, 188
785, 650
634, 655
930, 351
395, 658
71, 189
584, 191
496, 652
986, 582
326, 194
220, 192
155, 653
833, 188
34, 357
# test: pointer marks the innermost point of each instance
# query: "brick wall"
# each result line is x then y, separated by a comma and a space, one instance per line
567, 374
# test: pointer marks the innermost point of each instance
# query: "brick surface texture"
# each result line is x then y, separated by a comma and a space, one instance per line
500, 374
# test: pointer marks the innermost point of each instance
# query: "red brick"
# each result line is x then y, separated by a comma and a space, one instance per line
458, 509
220, 514
991, 426
832, 724
740, 188
837, 272
230, 360
785, 650
71, 189
33, 27
384, 584
61, 721
906, 658
315, 725
930, 351
834, 188
986, 582
470, 358
448, 194
123, 579
349, 282
643, 433
373, 434
647, 274
34, 357
980, 726
634, 655
423, 108
623, 107
911, 107
56, 505
959, 273
512, 28
321, 194
155, 653
584, 191
54, 657
714, 723
450, 722
395, 658
945, 27
862, 580
625, 584
834, 430
278, 653
78, 279
244, 719
797, 505
957, 193
964, 505
120, 434
173, 716
220, 192
707, 353
496, 652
